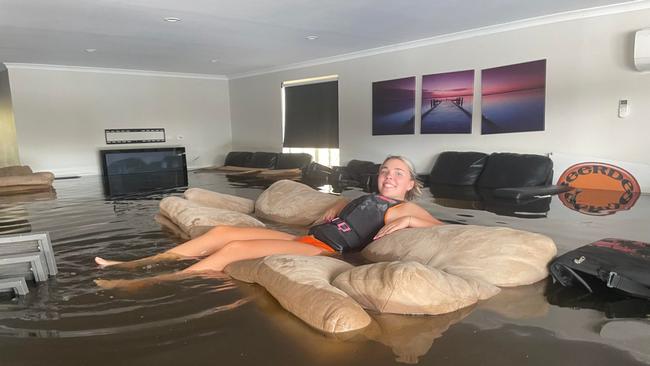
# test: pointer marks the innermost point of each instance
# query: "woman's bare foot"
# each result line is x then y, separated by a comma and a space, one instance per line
105, 262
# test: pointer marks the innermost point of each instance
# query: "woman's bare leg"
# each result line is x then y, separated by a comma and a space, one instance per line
248, 249
232, 252
202, 246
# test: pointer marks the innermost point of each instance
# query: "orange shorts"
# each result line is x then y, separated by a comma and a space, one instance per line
309, 239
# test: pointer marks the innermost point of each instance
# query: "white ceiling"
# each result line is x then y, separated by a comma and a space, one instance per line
243, 35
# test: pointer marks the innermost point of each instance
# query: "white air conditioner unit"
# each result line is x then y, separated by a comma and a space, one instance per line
642, 50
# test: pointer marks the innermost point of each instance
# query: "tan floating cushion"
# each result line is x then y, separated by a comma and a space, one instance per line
410, 288
293, 203
301, 284
207, 198
15, 170
168, 225
278, 173
34, 179
195, 220
13, 190
230, 168
501, 256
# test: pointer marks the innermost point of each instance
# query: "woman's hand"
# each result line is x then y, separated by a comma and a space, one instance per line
328, 216
332, 212
398, 224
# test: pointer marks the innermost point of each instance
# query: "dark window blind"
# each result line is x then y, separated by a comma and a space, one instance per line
312, 115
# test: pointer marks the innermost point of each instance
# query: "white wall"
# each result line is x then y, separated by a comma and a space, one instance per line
61, 115
589, 68
8, 146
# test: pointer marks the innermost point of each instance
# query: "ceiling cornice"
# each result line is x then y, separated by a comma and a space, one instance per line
101, 70
498, 28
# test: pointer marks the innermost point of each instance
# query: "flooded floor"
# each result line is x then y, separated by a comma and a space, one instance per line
68, 320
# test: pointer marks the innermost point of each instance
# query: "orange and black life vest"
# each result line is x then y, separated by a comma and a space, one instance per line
356, 225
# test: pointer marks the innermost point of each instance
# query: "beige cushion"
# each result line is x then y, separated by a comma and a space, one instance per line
501, 256
207, 198
230, 168
293, 203
168, 225
24, 189
34, 179
15, 170
301, 284
280, 173
410, 288
195, 220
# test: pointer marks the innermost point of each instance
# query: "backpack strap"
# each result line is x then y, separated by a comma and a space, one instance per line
625, 284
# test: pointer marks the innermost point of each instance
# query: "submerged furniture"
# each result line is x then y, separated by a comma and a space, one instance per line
25, 257
21, 179
504, 183
264, 166
267, 160
126, 171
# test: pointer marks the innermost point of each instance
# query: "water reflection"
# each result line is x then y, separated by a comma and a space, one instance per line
203, 321
470, 197
598, 202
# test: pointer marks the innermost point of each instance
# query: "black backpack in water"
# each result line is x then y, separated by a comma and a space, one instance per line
617, 263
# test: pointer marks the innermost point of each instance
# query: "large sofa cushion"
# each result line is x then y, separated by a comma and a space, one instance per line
19, 179
301, 284
293, 161
195, 220
410, 288
506, 170
290, 202
267, 160
501, 256
207, 198
238, 158
168, 225
457, 168
15, 170
33, 179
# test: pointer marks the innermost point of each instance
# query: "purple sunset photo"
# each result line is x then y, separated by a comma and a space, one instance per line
513, 98
447, 102
393, 107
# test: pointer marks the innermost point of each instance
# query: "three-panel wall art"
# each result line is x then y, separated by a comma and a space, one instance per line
512, 100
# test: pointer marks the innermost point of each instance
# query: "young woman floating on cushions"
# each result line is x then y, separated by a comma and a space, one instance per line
346, 226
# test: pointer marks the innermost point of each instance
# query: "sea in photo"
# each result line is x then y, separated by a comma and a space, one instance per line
513, 98
393, 107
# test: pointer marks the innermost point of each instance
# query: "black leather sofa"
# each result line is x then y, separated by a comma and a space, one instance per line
504, 183
268, 160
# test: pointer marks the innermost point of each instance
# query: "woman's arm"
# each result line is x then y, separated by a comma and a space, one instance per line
404, 216
333, 211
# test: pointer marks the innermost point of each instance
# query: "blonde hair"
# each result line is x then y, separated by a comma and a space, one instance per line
416, 191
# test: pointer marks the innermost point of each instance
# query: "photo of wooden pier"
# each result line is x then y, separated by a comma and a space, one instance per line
447, 102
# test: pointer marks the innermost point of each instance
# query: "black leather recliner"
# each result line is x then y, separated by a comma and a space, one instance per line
265, 160
293, 161
238, 158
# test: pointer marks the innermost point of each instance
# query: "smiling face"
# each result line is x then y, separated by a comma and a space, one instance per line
395, 179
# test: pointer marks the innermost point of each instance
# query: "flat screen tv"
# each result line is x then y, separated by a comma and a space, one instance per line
128, 171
